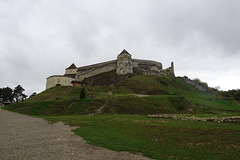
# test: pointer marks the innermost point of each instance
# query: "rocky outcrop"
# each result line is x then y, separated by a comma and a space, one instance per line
196, 84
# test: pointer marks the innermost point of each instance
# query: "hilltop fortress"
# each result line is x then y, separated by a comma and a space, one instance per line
124, 64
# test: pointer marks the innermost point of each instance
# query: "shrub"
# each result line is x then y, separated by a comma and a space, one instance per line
82, 94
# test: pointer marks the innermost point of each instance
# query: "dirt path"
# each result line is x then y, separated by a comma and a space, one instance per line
24, 137
140, 95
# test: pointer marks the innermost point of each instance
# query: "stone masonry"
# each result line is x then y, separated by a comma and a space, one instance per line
122, 66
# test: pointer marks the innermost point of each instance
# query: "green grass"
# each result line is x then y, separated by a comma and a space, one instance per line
154, 137
158, 138
167, 95
163, 85
57, 107
147, 105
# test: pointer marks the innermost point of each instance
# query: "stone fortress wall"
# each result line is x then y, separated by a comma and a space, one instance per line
60, 80
132, 66
146, 67
91, 70
123, 65
63, 80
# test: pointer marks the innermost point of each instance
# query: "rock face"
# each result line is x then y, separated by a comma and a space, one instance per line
197, 85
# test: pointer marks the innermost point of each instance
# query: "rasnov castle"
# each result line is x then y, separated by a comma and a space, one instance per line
123, 65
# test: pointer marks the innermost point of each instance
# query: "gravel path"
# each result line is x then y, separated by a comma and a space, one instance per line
23, 137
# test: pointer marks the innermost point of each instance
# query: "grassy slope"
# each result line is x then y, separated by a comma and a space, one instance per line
163, 85
168, 95
156, 138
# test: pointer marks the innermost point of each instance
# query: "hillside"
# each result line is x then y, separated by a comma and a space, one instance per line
120, 105
138, 94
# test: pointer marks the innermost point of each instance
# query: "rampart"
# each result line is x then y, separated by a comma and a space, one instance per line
168, 71
146, 67
91, 70
52, 81
139, 67
124, 65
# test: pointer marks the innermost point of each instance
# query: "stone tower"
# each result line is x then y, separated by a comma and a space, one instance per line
71, 71
124, 63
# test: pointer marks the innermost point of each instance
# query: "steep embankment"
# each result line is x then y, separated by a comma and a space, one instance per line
165, 95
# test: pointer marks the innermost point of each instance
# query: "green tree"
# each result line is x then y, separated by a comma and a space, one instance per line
6, 94
34, 94
82, 94
1, 94
18, 93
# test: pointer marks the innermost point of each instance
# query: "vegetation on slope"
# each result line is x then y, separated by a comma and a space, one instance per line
154, 137
161, 94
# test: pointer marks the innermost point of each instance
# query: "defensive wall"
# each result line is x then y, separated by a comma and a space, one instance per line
139, 67
91, 70
60, 80
122, 66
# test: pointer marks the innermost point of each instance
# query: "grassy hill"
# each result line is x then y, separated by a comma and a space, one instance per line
114, 116
139, 94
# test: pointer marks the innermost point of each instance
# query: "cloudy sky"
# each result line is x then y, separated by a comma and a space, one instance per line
42, 37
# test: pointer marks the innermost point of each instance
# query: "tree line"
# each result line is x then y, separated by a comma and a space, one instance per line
230, 94
8, 94
234, 94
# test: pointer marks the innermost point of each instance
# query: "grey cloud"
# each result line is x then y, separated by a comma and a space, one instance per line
215, 20
47, 36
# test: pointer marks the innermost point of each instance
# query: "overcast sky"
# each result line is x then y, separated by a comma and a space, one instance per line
42, 37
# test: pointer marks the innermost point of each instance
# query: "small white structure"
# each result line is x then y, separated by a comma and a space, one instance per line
63, 80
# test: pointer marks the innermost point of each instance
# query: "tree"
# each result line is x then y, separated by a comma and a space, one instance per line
24, 96
18, 93
1, 94
218, 88
6, 94
197, 80
234, 94
34, 94
82, 94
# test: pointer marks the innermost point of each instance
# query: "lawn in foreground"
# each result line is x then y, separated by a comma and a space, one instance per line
158, 138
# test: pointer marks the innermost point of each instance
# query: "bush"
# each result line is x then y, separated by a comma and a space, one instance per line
82, 94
